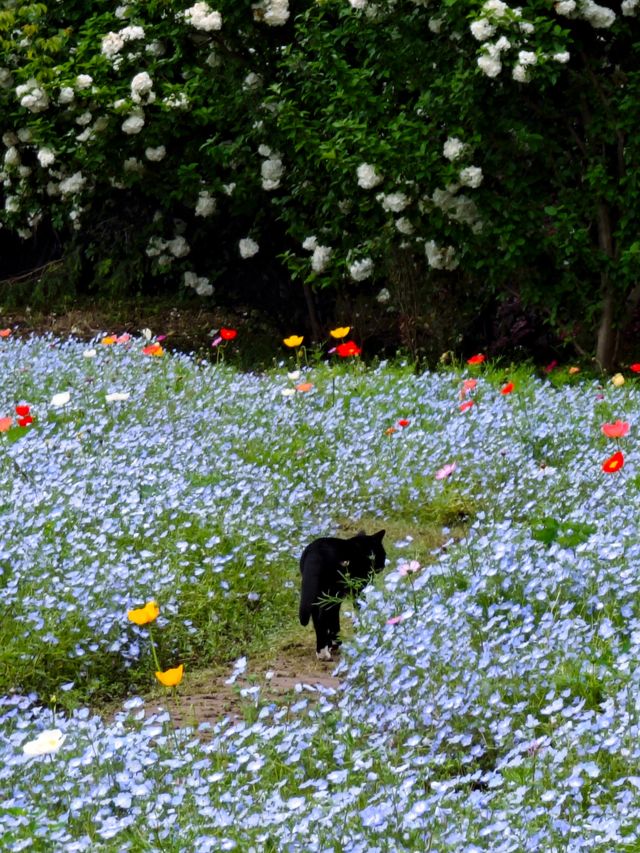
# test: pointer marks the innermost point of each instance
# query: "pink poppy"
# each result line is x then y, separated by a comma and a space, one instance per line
446, 471
618, 429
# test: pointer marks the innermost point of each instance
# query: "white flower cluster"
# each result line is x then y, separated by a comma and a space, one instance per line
600, 17
248, 247
206, 204
459, 208
32, 96
72, 185
202, 17
155, 154
368, 178
113, 43
134, 123
271, 171
274, 13
393, 202
440, 258
142, 88
453, 148
200, 284
361, 269
177, 248
630, 7
321, 254
471, 176
45, 157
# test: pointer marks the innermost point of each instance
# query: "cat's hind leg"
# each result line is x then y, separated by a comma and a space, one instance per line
321, 625
333, 625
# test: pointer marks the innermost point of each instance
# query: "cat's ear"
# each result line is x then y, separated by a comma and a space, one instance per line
379, 535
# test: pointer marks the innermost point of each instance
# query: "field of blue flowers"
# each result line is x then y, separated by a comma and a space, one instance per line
490, 696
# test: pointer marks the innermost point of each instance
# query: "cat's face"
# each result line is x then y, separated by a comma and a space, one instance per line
378, 556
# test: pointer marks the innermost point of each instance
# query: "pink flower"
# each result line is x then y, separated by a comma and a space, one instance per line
395, 620
409, 568
446, 471
618, 429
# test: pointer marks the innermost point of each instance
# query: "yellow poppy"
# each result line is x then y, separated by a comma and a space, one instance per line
617, 380
143, 615
293, 340
110, 339
171, 677
340, 332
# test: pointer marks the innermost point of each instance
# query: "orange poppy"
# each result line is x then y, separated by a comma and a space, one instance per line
153, 349
304, 386
476, 359
613, 463
5, 424
508, 388
4, 333
171, 677
144, 615
465, 406
615, 430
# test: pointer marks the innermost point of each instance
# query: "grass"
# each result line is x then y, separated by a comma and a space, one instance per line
488, 679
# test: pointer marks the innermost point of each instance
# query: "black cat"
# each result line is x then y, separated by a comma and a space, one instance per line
331, 568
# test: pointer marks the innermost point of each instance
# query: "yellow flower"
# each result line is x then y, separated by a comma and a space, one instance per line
110, 339
617, 380
171, 677
573, 371
340, 332
293, 340
145, 614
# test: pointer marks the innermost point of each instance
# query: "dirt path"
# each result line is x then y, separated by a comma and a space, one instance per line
206, 697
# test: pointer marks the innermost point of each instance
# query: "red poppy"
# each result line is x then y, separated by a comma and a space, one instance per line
403, 422
476, 359
348, 348
615, 430
23, 411
508, 388
465, 406
613, 463
635, 367
551, 366
25, 421
228, 334
4, 333
468, 385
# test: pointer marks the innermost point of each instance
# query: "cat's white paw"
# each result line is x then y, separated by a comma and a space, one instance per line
324, 654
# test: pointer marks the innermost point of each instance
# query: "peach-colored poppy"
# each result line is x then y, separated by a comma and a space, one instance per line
5, 424
4, 333
304, 386
618, 429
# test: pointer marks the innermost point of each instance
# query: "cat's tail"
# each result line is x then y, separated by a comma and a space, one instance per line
310, 566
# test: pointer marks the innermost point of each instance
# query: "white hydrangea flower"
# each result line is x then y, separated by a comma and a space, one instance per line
435, 25
393, 202
141, 86
527, 57
177, 101
383, 297
84, 119
496, 8
471, 176
404, 225
520, 73
600, 17
489, 65
178, 247
12, 157
134, 123
274, 13
320, 258
206, 204
12, 204
482, 29
453, 148
132, 164
6, 78
24, 134
73, 184
563, 57
358, 4
155, 154
367, 176
361, 269
565, 7
248, 247
83, 81
629, 7
271, 172
9, 138
200, 284
202, 17
155, 247
112, 44
45, 157
440, 258
32, 96
132, 32
309, 243
252, 81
